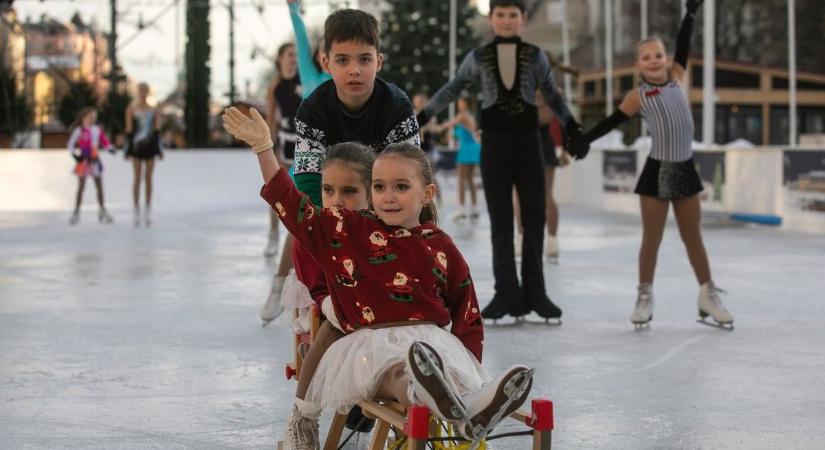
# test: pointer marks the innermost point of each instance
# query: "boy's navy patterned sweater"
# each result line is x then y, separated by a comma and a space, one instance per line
322, 121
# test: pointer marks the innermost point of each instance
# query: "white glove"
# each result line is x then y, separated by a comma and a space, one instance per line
253, 131
329, 312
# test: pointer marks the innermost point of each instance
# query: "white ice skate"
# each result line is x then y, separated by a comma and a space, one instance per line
103, 216
710, 305
271, 248
551, 248
147, 216
459, 216
136, 216
643, 312
474, 215
431, 386
75, 218
301, 432
272, 308
495, 401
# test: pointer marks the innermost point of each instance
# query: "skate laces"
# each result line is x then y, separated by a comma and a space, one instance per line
713, 295
645, 297
301, 432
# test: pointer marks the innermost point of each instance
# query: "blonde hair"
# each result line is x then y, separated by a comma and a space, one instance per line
648, 40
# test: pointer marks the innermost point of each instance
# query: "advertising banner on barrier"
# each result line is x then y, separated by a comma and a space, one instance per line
711, 168
803, 180
619, 171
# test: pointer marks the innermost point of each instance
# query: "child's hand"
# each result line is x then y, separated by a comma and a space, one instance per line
693, 5
564, 159
253, 131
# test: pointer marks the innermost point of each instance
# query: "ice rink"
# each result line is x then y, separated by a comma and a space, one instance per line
113, 336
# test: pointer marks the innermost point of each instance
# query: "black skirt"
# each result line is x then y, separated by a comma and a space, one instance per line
146, 149
667, 180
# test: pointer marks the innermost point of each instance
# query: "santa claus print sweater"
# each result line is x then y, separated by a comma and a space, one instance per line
382, 274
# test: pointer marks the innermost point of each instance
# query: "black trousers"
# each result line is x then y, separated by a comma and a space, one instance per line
514, 159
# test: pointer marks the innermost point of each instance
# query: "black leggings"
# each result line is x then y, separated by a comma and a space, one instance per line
514, 159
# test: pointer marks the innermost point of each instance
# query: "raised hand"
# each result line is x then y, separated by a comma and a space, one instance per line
693, 5
254, 131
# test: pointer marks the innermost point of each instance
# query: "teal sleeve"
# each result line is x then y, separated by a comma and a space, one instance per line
310, 184
311, 77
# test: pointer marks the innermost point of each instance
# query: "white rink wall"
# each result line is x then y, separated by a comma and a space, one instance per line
748, 184
753, 187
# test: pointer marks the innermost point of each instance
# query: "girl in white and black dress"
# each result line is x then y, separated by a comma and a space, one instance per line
669, 175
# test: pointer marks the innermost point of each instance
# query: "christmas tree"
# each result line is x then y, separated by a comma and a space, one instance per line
415, 42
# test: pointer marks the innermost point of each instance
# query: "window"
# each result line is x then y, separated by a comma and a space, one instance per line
782, 83
589, 89
809, 120
732, 122
725, 78
625, 84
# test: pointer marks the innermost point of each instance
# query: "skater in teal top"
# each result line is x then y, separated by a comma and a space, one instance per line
309, 64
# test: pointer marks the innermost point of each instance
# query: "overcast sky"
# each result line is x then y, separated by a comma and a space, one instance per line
150, 56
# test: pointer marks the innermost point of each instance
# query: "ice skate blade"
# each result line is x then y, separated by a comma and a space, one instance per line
641, 326
515, 389
265, 322
554, 260
427, 364
722, 326
496, 323
544, 321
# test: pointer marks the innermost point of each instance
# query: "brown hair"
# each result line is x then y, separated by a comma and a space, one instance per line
505, 4
351, 25
281, 50
81, 114
412, 152
358, 156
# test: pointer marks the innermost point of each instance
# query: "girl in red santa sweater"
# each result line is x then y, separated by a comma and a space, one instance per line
395, 348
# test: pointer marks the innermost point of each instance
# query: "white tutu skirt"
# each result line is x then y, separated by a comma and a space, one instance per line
352, 367
295, 296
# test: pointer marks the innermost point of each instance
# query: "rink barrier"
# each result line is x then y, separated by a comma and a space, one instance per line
765, 185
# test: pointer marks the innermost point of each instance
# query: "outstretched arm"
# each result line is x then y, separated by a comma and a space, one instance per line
680, 57
311, 77
467, 72
629, 107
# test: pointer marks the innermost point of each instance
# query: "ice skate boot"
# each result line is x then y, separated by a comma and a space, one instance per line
271, 248
272, 308
710, 305
495, 401
103, 216
496, 309
147, 216
643, 312
75, 218
547, 310
431, 386
459, 216
474, 215
136, 216
301, 432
